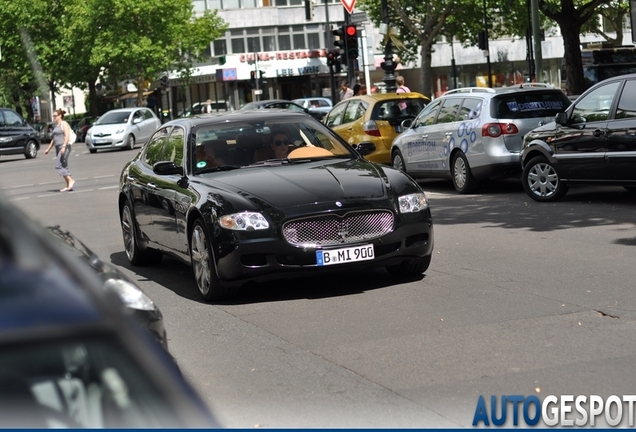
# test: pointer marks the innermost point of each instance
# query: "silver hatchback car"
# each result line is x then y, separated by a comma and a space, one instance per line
122, 128
473, 134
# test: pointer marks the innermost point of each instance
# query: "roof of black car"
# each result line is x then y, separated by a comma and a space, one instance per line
240, 116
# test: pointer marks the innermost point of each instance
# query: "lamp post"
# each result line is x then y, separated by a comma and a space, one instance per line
487, 51
388, 65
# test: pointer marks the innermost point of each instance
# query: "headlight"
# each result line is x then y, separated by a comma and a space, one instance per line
248, 221
119, 131
413, 203
6, 139
130, 295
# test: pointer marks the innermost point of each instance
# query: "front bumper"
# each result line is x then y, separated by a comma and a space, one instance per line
261, 260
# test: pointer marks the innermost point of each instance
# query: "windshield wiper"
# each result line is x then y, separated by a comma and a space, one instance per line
217, 168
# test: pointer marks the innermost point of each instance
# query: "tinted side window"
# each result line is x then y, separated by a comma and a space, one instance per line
334, 118
2, 122
354, 111
154, 149
627, 102
12, 118
173, 151
595, 106
448, 112
471, 109
427, 117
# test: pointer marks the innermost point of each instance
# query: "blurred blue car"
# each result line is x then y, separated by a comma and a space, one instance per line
71, 356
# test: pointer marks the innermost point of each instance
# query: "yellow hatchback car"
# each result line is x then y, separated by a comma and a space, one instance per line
370, 123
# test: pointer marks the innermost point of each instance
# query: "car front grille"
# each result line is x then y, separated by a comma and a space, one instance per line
334, 229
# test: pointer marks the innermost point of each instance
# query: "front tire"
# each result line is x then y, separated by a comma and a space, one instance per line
135, 254
130, 142
541, 181
203, 265
30, 150
463, 179
410, 268
398, 161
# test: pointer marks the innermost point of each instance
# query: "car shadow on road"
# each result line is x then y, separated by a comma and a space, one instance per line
504, 204
178, 277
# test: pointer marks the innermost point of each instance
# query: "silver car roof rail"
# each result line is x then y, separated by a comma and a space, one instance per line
471, 90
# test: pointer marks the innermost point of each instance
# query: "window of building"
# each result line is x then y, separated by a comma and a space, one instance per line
284, 42
231, 4
220, 46
238, 46
299, 41
269, 43
254, 44
198, 6
215, 4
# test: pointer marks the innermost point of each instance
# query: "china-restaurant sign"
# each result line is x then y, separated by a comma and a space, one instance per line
283, 55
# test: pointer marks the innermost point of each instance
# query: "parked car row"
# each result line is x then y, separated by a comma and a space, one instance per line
472, 134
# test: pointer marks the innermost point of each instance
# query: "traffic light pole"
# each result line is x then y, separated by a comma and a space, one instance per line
332, 78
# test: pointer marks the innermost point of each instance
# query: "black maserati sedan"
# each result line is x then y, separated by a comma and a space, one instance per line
267, 194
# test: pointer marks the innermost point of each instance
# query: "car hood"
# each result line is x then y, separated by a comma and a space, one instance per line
290, 186
109, 129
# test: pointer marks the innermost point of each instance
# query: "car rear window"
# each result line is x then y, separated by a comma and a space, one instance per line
529, 104
398, 108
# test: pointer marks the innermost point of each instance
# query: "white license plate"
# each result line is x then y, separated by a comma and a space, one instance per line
101, 142
344, 255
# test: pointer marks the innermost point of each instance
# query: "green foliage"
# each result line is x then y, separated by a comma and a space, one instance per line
73, 41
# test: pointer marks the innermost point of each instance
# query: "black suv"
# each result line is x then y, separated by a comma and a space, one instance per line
592, 142
16, 136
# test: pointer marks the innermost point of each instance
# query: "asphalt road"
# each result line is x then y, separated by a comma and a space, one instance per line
521, 298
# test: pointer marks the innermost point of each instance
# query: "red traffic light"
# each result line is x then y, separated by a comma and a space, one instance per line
351, 30
252, 74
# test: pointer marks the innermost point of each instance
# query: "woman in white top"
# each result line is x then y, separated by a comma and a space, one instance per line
61, 134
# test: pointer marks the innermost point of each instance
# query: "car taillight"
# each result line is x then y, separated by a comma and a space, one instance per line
497, 129
371, 128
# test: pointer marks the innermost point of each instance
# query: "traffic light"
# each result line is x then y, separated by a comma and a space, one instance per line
164, 81
341, 44
351, 33
261, 81
253, 79
482, 40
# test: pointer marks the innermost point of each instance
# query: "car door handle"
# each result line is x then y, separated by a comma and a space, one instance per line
598, 133
130, 179
152, 186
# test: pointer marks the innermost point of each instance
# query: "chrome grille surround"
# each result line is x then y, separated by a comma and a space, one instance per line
333, 229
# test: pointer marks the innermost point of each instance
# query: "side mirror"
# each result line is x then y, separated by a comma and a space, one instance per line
167, 168
136, 120
561, 118
406, 124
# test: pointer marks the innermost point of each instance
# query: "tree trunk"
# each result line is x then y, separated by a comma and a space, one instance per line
575, 81
426, 71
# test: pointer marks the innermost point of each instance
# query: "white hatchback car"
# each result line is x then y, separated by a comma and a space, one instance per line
473, 134
122, 128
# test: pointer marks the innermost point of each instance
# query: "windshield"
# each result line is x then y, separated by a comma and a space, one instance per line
241, 144
78, 383
119, 117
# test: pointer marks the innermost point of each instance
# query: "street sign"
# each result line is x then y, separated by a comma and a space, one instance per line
362, 17
348, 5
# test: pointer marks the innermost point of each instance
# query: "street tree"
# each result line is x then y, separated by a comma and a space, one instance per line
571, 16
613, 13
141, 39
419, 25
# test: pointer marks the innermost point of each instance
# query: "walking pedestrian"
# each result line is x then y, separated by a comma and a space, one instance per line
401, 88
61, 134
345, 91
399, 80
